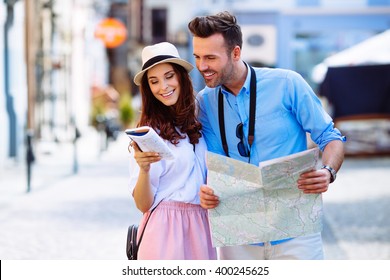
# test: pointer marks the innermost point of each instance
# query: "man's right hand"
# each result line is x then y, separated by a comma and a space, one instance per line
208, 200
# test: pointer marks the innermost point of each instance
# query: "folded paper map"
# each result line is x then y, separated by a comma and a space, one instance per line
260, 204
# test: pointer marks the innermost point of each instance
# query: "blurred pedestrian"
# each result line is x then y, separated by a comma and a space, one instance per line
178, 228
269, 112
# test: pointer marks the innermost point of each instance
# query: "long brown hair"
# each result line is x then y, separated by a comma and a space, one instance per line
165, 119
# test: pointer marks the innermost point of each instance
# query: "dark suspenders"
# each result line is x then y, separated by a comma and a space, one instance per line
252, 114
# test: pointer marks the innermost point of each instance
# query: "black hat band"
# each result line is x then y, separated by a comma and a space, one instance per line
156, 59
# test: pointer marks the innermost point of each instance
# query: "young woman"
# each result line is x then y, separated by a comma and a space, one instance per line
178, 227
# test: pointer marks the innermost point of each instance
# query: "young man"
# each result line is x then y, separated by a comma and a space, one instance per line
286, 109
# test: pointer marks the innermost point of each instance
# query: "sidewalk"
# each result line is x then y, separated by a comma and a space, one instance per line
54, 161
86, 215
356, 209
66, 215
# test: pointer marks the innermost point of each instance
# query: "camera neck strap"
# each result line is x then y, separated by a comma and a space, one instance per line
252, 114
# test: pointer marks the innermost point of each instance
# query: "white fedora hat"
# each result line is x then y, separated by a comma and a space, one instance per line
160, 53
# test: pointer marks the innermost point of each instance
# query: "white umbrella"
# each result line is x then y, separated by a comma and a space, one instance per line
375, 50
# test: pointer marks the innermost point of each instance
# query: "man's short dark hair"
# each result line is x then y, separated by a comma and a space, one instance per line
224, 23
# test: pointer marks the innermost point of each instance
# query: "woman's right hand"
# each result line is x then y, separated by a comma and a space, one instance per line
144, 159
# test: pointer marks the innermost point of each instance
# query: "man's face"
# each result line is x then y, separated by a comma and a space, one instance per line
212, 60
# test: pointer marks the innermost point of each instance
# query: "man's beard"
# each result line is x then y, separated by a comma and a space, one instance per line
221, 78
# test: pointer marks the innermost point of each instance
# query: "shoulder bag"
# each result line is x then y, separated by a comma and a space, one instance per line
132, 245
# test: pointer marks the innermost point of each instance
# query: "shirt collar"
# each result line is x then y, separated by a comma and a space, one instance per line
247, 84
246, 87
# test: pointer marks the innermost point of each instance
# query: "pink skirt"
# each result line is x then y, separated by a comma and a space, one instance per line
176, 231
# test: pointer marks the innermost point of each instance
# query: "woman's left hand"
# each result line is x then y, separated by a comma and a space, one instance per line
144, 159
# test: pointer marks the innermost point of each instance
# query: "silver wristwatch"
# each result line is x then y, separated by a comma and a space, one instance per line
332, 172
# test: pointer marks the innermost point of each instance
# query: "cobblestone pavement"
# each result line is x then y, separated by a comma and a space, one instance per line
86, 215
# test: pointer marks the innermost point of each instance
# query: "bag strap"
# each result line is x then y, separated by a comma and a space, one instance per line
143, 230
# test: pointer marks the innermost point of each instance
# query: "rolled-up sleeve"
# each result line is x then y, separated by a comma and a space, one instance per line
311, 114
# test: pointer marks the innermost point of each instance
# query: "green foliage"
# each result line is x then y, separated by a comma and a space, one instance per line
126, 111
98, 111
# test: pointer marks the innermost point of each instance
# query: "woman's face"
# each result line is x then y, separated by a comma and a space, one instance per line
164, 83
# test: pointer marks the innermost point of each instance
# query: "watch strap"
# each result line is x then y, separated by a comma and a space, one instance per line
332, 172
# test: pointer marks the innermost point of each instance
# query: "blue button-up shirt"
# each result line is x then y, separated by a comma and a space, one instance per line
286, 109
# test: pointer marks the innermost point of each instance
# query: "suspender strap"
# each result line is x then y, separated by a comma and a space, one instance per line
252, 114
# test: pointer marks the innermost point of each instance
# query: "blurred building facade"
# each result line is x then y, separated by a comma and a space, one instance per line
293, 34
48, 61
50, 58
